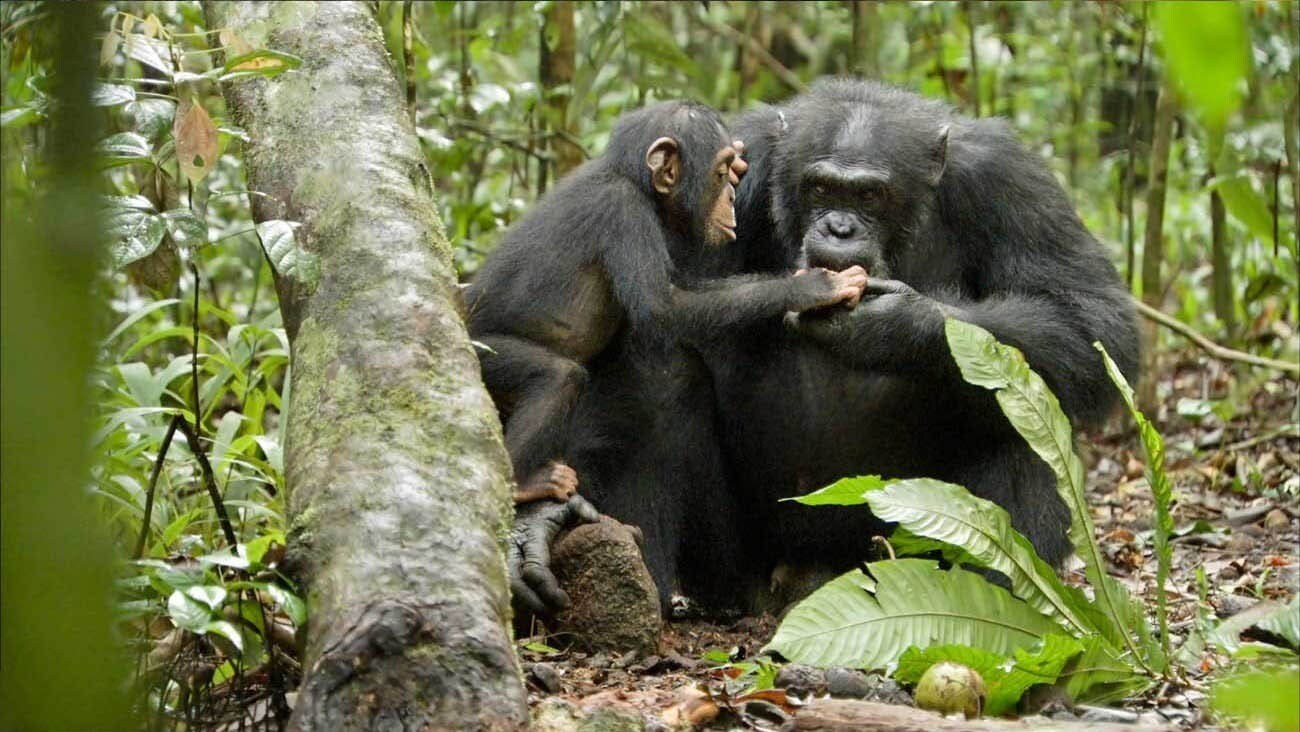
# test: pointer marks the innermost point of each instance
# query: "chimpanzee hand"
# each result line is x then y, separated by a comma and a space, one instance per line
892, 324
819, 288
528, 554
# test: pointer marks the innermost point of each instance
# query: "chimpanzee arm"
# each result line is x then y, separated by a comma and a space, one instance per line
709, 308
898, 329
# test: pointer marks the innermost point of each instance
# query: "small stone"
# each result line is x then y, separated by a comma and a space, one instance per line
800, 680
546, 677
1106, 714
1276, 520
614, 606
847, 683
600, 660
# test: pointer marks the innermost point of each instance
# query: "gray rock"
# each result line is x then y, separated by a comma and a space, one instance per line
801, 680
547, 678
614, 605
847, 683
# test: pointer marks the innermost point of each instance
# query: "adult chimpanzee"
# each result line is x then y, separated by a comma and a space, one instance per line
952, 217
609, 250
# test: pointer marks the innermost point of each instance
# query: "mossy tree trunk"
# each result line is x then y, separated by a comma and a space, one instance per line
397, 477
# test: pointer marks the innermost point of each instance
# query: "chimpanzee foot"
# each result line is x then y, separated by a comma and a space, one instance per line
555, 481
528, 553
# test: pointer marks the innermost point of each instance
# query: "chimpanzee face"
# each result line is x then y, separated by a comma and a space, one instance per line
862, 191
709, 203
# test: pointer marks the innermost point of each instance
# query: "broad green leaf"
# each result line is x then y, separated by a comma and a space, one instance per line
1265, 697
290, 603
949, 513
151, 117
186, 229
210, 595
1161, 491
19, 117
1227, 635
227, 630
1245, 205
1005, 679
286, 256
123, 148
1101, 675
109, 95
1207, 52
1036, 415
151, 52
1285, 623
263, 62
225, 558
138, 234
188, 613
843, 492
914, 603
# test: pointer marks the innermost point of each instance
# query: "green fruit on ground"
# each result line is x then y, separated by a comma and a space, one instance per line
949, 688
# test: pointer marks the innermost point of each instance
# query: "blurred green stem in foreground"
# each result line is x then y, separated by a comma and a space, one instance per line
61, 668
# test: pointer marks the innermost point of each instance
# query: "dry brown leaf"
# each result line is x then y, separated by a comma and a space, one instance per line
196, 140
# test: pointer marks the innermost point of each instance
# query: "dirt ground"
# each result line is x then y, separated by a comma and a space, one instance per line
1236, 480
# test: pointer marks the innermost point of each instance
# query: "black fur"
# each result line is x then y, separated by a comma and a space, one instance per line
996, 242
873, 390
602, 271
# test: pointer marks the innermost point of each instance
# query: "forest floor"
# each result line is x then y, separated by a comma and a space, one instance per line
1237, 543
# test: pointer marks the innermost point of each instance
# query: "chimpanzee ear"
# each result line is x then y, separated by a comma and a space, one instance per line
938, 157
664, 163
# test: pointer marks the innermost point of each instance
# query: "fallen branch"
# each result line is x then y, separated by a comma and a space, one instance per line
779, 69
843, 715
1209, 346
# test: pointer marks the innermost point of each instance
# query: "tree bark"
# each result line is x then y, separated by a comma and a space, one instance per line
397, 478
556, 65
1153, 248
865, 30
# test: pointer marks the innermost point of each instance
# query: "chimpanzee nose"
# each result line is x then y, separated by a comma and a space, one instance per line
839, 226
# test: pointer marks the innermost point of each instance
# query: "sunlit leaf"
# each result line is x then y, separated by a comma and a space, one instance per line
263, 62
1245, 205
19, 117
1207, 49
123, 148
151, 52
913, 603
843, 492
286, 256
188, 613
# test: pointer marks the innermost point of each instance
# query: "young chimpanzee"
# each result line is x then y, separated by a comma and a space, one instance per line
608, 249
